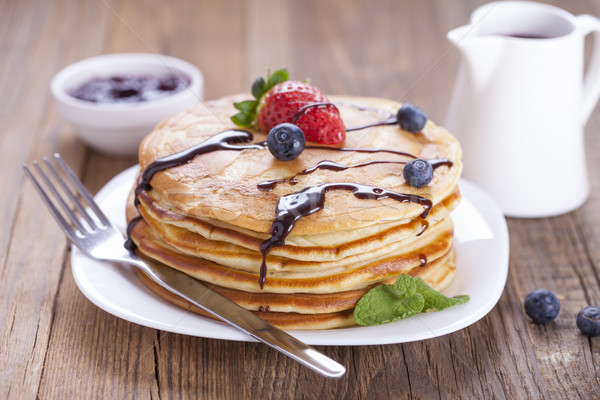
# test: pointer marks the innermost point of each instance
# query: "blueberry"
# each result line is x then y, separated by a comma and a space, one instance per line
588, 321
418, 173
285, 141
411, 118
542, 306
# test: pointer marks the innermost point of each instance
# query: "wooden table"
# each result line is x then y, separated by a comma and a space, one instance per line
56, 344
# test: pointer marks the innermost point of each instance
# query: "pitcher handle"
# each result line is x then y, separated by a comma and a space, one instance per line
591, 83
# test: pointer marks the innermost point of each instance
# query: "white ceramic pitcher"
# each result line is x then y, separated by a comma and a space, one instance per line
520, 103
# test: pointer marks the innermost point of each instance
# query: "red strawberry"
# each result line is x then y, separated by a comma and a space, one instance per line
283, 101
279, 100
321, 123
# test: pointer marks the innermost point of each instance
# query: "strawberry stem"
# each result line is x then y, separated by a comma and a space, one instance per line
247, 108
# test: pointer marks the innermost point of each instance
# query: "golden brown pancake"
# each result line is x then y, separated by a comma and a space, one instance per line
363, 272
208, 217
338, 307
222, 185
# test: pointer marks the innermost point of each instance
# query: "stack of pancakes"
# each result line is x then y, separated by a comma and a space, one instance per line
208, 218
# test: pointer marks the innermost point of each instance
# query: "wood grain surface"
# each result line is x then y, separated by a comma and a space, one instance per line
55, 344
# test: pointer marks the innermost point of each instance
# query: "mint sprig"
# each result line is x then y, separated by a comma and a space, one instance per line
248, 108
405, 298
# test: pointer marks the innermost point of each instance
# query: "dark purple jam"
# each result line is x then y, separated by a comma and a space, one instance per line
130, 88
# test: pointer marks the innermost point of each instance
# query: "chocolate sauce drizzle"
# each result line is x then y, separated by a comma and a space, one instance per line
358, 150
363, 108
438, 162
224, 140
328, 165
305, 109
221, 141
292, 207
129, 245
390, 120
333, 166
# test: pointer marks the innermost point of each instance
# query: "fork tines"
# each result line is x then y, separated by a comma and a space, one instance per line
85, 217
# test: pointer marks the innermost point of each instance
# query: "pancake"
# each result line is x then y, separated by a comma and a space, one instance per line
359, 274
328, 247
224, 187
276, 309
216, 216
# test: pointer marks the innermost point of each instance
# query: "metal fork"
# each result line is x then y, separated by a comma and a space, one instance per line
98, 238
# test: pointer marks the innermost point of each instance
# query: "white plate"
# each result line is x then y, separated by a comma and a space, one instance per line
481, 242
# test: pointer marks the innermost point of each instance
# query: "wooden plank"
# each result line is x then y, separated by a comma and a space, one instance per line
190, 366
92, 354
197, 367
55, 344
32, 246
268, 44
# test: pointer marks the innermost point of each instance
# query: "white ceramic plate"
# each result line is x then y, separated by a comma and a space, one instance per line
481, 242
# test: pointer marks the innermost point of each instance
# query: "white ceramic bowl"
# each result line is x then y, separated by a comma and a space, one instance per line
118, 128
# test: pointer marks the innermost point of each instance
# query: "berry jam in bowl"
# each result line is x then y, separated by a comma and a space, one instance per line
113, 101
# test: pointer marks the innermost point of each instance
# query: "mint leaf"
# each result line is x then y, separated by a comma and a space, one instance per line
405, 285
434, 300
383, 304
406, 297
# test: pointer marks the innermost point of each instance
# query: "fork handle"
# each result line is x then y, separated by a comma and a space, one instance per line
212, 302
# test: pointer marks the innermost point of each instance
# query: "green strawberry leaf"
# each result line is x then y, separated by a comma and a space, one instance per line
259, 87
246, 106
281, 75
405, 298
245, 118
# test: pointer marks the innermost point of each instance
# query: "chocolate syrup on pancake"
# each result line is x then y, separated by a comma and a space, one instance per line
304, 109
221, 141
129, 245
333, 166
390, 120
387, 121
292, 207
329, 165
438, 162
401, 153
